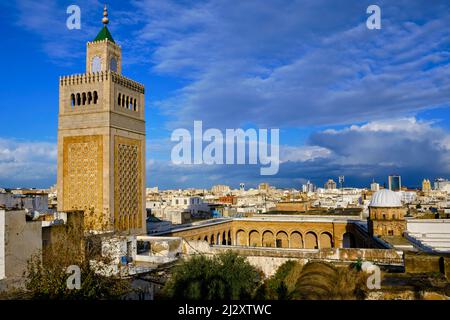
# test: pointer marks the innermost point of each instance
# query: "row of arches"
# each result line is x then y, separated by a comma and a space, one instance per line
217, 238
84, 98
280, 239
127, 102
295, 239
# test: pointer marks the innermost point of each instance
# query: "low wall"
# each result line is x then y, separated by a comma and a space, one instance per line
160, 249
269, 259
421, 263
427, 263
447, 267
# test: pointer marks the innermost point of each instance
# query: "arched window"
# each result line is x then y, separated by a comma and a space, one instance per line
268, 239
134, 105
311, 240
118, 100
130, 106
89, 97
296, 240
123, 101
72, 100
254, 239
113, 65
78, 99
326, 240
84, 98
95, 97
96, 64
241, 238
127, 104
282, 240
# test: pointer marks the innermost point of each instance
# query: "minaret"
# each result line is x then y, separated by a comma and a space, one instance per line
101, 141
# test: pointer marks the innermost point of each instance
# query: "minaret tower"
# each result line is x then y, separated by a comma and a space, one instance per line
101, 141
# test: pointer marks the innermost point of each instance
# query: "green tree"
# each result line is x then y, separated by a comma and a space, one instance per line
226, 276
46, 276
279, 286
323, 281
314, 281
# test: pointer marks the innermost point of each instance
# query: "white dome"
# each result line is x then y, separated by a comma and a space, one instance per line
385, 198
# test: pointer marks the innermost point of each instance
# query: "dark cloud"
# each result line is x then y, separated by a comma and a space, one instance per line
411, 148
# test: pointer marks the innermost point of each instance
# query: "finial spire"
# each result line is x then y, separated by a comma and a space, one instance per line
105, 19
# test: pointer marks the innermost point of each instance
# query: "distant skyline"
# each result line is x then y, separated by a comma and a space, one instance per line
347, 100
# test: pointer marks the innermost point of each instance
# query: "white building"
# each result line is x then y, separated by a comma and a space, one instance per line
32, 202
153, 204
407, 196
442, 184
152, 190
429, 234
194, 205
374, 186
19, 241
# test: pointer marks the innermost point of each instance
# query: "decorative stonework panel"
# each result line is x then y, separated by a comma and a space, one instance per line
82, 175
127, 184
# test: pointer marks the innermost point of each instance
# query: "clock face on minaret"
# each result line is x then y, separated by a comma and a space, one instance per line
101, 141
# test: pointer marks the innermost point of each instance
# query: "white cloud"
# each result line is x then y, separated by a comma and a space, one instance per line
403, 144
284, 63
47, 19
27, 163
303, 153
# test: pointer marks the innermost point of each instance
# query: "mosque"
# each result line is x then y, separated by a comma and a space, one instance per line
101, 171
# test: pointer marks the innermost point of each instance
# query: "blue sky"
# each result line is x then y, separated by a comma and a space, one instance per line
347, 100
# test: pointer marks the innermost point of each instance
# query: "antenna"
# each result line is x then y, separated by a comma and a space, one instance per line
341, 183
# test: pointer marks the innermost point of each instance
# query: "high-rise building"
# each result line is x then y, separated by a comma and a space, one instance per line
395, 182
308, 187
101, 141
426, 185
330, 184
374, 186
441, 184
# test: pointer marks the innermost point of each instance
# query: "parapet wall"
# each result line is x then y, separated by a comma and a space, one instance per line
420, 262
84, 78
269, 259
100, 77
